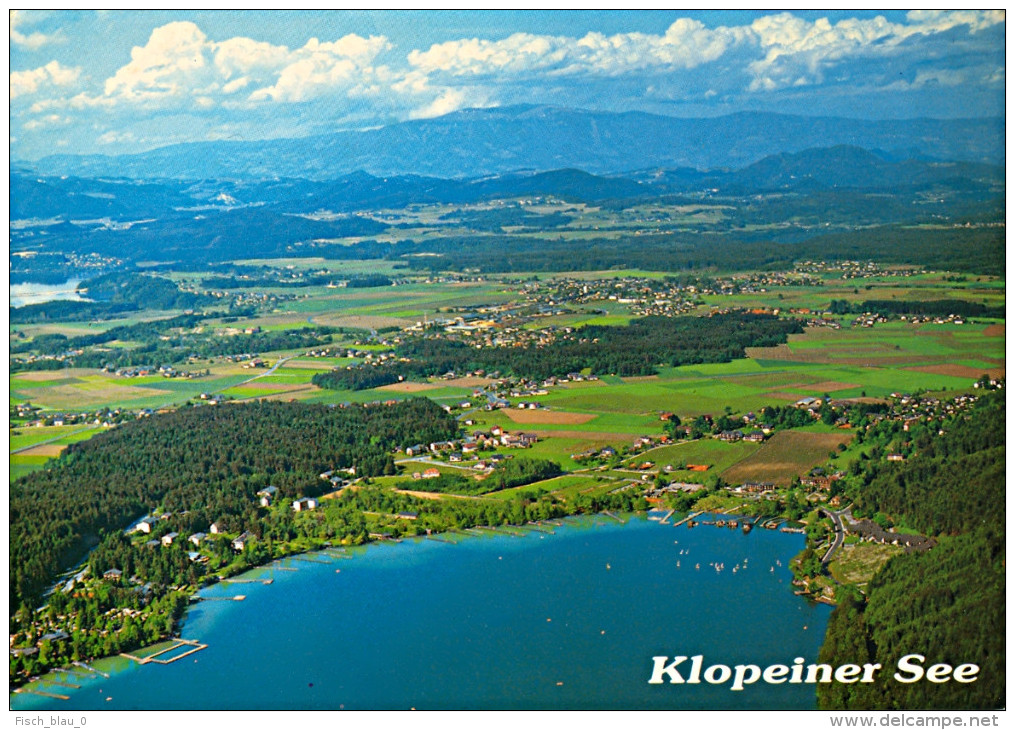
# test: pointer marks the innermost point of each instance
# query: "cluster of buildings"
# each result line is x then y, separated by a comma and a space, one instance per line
256, 299
665, 297
869, 319
467, 448
854, 269
142, 371
101, 417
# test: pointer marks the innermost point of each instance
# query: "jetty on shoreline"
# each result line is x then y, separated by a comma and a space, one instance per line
90, 668
156, 657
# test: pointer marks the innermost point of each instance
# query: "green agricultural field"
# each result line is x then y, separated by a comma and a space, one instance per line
22, 464
29, 436
559, 449
568, 487
580, 319
92, 390
850, 362
443, 395
536, 488
34, 447
289, 376
786, 455
717, 455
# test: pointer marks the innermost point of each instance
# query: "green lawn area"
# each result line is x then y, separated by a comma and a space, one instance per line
559, 449
561, 486
857, 563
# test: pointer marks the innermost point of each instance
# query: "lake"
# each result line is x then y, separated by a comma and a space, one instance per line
569, 620
29, 293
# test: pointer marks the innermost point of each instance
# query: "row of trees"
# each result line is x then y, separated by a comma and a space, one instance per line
931, 307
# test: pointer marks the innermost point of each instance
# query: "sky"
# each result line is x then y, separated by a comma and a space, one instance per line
118, 82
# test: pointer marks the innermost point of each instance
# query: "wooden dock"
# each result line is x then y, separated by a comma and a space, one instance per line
218, 598
441, 539
308, 559
668, 516
91, 669
266, 581
688, 518
610, 514
42, 694
502, 531
196, 646
537, 527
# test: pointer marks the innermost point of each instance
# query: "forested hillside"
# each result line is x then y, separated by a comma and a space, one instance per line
207, 461
946, 604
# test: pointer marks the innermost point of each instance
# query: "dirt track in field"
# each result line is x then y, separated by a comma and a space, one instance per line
407, 387
959, 371
469, 382
44, 450
520, 415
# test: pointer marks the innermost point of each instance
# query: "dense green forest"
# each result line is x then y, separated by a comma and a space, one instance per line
946, 603
952, 484
638, 348
368, 280
254, 232
208, 461
931, 307
974, 250
355, 378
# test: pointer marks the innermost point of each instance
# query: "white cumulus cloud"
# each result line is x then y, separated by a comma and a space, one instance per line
44, 77
797, 51
685, 44
33, 40
180, 65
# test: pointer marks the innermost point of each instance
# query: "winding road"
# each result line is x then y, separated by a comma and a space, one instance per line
840, 532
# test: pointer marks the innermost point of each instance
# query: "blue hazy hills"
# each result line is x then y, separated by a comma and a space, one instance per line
479, 142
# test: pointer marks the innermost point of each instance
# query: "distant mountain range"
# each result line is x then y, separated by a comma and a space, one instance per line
483, 142
842, 167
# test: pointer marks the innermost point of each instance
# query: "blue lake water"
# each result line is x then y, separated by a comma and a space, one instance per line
569, 620
29, 293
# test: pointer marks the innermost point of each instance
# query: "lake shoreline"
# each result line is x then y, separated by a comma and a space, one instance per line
194, 625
